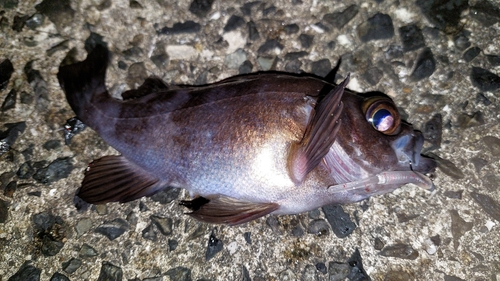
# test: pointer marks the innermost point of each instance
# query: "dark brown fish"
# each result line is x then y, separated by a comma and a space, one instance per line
246, 146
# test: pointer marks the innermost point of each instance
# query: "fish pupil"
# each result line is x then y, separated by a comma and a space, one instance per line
382, 120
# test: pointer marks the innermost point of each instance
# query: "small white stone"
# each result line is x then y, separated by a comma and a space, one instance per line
232, 247
215, 16
344, 40
404, 15
430, 248
181, 52
489, 224
235, 40
52, 192
317, 28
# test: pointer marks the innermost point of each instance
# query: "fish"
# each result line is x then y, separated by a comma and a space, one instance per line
246, 146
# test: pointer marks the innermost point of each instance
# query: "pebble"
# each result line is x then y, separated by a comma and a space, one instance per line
321, 267
4, 211
478, 163
51, 144
58, 169
214, 246
10, 189
266, 63
373, 75
411, 37
433, 130
488, 204
179, 273
458, 227
471, 54
245, 67
321, 67
110, 272
484, 79
166, 196
201, 8
233, 23
44, 221
269, 11
400, 250
378, 244
378, 27
59, 277
245, 275
58, 11
424, 66
35, 21
19, 22
181, 28
318, 227
340, 221
86, 251
443, 14
50, 246
163, 224
236, 59
27, 272
253, 32
306, 40
338, 271
454, 194
492, 144
71, 266
293, 66
6, 70
274, 224
295, 55
461, 40
340, 19
39, 86
72, 127
149, 233
291, 28
271, 46
394, 52
309, 273
358, 272
452, 278
494, 60
490, 182
447, 167
172, 244
113, 229
136, 74
10, 135
485, 12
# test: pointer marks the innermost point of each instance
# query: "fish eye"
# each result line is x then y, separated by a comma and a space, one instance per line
382, 114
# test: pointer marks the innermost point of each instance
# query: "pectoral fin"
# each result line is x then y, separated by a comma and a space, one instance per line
116, 179
227, 210
319, 135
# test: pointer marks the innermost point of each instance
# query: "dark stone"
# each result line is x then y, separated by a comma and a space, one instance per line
297, 231
134, 4
181, 27
454, 194
245, 275
452, 278
424, 66
393, 52
484, 79
172, 244
433, 130
160, 60
247, 237
491, 182
10, 189
357, 271
461, 40
201, 8
291, 28
339, 220
58, 11
306, 40
411, 37
269, 46
321, 67
494, 60
246, 9
296, 55
318, 227
35, 193
166, 195
113, 229
44, 221
19, 22
338, 271
9, 136
35, 21
52, 144
478, 163
467, 121
59, 277
179, 273
321, 267
269, 11
233, 23
401, 251
377, 27
58, 169
471, 53
50, 246
110, 272
373, 75
71, 266
245, 68
39, 86
492, 144
458, 227
86, 251
4, 211
488, 204
214, 246
485, 12
149, 233
163, 224
93, 40
6, 70
10, 101
274, 224
402, 217
253, 32
72, 127
9, 4
444, 14
378, 244
26, 98
293, 66
133, 51
431, 32
339, 19
27, 272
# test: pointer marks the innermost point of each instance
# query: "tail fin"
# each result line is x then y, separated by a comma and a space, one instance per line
82, 80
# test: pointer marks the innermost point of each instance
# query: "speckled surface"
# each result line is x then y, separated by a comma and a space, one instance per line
411, 234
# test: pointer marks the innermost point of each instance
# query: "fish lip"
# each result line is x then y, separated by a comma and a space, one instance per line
408, 148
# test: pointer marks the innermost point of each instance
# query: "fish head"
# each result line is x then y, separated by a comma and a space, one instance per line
376, 139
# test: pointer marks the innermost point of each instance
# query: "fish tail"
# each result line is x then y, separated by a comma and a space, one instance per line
83, 80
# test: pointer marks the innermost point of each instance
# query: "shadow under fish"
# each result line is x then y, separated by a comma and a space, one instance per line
244, 147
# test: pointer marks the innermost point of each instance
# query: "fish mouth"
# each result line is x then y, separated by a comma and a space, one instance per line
408, 148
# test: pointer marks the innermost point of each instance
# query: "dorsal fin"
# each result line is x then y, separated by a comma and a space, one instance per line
319, 135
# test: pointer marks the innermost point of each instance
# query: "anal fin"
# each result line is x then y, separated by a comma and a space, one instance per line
116, 179
227, 210
319, 135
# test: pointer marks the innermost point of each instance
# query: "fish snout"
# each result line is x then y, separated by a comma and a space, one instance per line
408, 147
